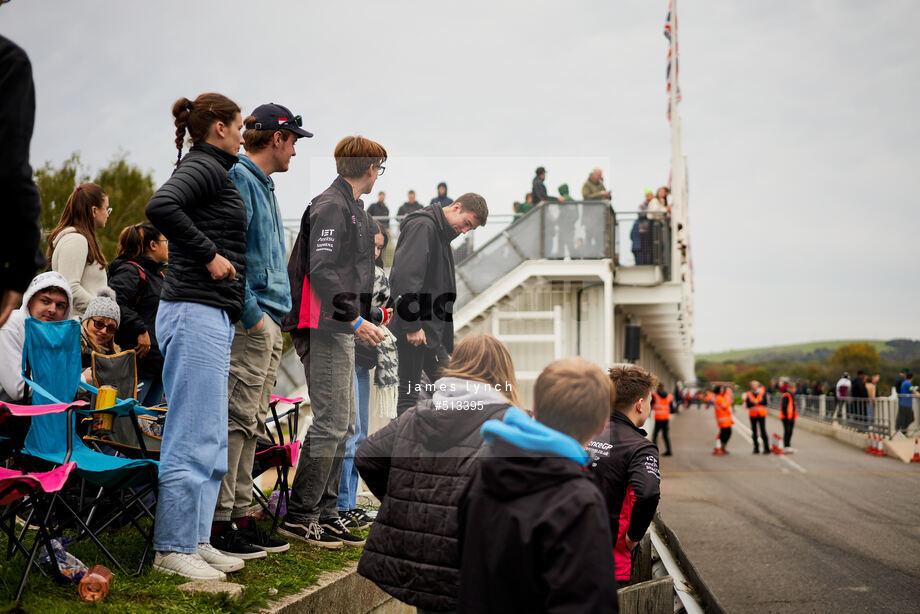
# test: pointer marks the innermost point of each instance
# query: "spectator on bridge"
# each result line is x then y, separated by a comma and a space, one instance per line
788, 413
899, 380
661, 404
531, 489
872, 391
272, 131
522, 208
408, 207
20, 237
418, 466
47, 298
422, 280
724, 401
200, 211
538, 188
442, 199
860, 394
594, 187
331, 267
641, 237
906, 394
565, 225
137, 278
73, 247
380, 212
627, 474
842, 391
756, 401
659, 207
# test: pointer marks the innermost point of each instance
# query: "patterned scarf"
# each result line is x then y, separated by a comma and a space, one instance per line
386, 376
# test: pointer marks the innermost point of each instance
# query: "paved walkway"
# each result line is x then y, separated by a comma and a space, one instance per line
828, 529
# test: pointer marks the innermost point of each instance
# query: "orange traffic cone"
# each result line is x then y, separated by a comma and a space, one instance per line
881, 446
916, 457
777, 447
874, 450
718, 450
868, 442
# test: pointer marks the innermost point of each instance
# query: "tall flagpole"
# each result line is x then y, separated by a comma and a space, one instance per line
678, 191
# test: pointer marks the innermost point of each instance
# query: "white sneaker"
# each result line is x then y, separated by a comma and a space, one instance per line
218, 560
190, 566
789, 450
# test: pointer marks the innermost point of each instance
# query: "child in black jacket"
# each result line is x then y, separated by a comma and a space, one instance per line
533, 527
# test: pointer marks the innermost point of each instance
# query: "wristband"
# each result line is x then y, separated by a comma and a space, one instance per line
359, 322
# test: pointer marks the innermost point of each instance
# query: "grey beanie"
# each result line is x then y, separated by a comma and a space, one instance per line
103, 306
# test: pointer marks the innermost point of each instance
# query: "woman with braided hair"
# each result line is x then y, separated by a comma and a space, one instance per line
201, 213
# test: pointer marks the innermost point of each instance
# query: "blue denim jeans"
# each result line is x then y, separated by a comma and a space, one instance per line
195, 341
348, 489
150, 392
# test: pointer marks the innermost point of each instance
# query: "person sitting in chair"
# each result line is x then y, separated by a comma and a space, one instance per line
49, 299
100, 323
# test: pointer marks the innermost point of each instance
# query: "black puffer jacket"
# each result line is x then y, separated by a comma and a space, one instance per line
202, 214
137, 292
423, 275
418, 466
331, 269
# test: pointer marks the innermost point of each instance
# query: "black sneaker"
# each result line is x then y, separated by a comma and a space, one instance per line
257, 536
355, 519
231, 542
311, 533
337, 529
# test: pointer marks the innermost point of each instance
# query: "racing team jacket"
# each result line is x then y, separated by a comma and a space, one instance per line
625, 468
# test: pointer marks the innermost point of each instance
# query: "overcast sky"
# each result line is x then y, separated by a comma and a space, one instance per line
796, 116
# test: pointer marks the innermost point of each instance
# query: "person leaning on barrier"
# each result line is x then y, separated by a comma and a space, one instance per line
424, 288
331, 272
627, 474
408, 207
594, 187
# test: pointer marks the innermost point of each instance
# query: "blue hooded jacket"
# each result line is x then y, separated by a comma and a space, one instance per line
267, 287
520, 430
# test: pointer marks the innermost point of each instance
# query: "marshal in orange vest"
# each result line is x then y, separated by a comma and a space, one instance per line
662, 406
791, 410
757, 408
723, 409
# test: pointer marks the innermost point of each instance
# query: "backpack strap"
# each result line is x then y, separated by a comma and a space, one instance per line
143, 276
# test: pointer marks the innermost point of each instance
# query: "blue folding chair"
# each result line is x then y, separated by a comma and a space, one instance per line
51, 367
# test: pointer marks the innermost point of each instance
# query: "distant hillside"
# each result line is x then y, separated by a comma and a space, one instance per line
904, 350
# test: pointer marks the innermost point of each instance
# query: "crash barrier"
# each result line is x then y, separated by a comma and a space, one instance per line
879, 415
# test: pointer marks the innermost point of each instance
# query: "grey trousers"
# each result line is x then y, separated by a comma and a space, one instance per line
329, 366
254, 360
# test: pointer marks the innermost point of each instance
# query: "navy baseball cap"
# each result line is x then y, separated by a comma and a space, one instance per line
273, 116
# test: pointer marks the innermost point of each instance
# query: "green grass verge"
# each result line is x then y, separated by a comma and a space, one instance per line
153, 592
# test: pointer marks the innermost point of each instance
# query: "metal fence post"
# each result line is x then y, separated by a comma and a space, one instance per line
822, 406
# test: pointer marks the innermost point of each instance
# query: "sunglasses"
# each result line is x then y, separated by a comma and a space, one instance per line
102, 326
297, 120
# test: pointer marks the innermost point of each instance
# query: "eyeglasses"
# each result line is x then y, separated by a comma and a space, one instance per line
381, 169
108, 211
100, 325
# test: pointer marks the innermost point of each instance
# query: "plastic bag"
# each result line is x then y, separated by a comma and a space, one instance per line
71, 568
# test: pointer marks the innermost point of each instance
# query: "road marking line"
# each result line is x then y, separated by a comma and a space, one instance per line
795, 464
745, 432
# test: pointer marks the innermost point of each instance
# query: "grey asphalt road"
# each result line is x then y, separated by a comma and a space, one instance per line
827, 529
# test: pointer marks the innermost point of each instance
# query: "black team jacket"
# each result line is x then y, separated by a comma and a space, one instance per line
202, 214
422, 278
331, 269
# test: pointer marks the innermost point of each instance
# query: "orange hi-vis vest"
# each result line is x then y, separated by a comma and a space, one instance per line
759, 410
662, 406
723, 408
791, 410
708, 397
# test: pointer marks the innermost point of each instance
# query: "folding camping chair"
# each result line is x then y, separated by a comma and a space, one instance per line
51, 367
26, 495
140, 436
275, 453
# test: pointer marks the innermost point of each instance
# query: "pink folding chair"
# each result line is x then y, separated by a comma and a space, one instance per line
31, 495
275, 453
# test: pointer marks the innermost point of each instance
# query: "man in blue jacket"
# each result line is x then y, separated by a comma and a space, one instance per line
271, 132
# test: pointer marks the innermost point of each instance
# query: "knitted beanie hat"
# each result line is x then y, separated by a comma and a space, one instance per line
103, 306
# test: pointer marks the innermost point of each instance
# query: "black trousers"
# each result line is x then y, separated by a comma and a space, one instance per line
724, 435
412, 362
662, 426
761, 423
788, 425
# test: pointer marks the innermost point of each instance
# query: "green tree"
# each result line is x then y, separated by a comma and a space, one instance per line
744, 378
854, 357
128, 188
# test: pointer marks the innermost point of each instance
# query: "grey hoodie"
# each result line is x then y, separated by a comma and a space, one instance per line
13, 334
